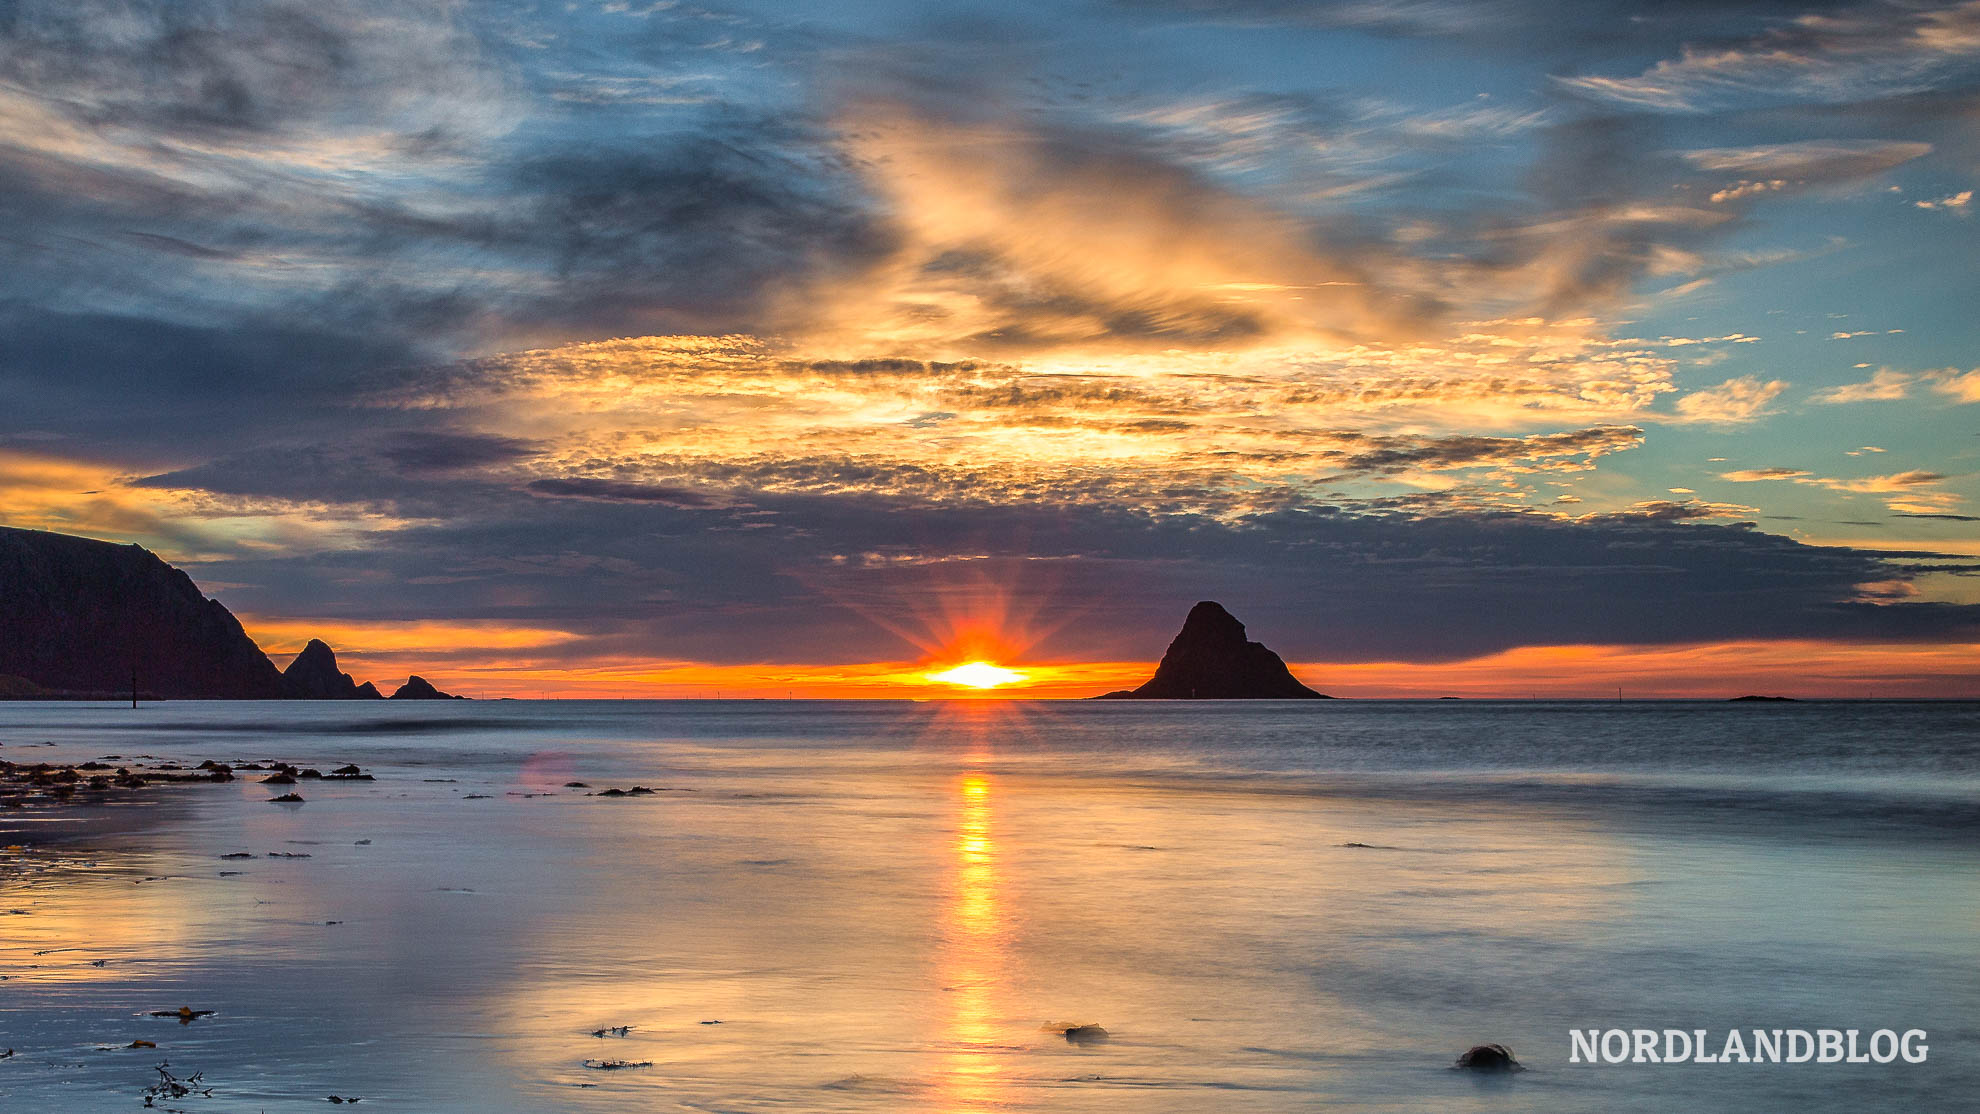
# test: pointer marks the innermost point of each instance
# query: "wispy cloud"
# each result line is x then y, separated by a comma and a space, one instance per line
1956, 202
1883, 386
1911, 492
1886, 385
1874, 50
1747, 398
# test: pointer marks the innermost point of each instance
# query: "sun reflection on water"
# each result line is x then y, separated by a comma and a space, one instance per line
974, 939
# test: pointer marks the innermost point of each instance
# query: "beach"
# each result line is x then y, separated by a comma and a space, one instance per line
898, 906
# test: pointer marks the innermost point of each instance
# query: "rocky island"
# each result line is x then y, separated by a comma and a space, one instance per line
1212, 660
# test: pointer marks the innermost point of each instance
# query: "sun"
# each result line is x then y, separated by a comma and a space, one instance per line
978, 675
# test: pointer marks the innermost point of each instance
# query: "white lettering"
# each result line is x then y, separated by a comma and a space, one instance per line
1767, 1046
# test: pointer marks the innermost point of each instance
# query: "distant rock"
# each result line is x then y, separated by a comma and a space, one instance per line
1488, 1058
78, 616
1211, 660
314, 675
369, 691
1762, 700
419, 688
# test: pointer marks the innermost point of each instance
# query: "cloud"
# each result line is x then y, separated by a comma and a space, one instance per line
1956, 202
1886, 385
1024, 234
1733, 402
585, 488
1883, 386
1869, 51
1910, 492
1810, 160
1789, 167
1960, 386
439, 451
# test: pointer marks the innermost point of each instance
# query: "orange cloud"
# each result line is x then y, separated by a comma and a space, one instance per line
1015, 237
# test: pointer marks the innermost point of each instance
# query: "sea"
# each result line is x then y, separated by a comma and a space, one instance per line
899, 906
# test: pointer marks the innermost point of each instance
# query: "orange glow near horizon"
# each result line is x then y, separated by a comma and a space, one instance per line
1713, 670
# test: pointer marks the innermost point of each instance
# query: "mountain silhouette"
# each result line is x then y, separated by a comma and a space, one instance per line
1212, 660
80, 617
87, 618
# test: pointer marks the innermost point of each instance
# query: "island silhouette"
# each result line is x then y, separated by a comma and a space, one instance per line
1211, 659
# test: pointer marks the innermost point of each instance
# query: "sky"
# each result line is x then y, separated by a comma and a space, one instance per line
635, 348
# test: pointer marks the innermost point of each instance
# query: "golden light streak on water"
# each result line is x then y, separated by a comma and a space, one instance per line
975, 940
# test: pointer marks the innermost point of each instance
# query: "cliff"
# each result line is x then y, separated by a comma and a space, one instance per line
78, 616
1212, 660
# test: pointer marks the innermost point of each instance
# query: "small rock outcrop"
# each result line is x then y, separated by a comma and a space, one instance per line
1488, 1058
419, 688
1212, 660
314, 675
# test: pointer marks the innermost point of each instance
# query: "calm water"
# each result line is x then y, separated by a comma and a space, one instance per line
885, 906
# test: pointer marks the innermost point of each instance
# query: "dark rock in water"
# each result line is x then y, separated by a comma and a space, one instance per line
346, 770
1084, 1035
419, 688
286, 799
1761, 700
1212, 660
314, 675
1488, 1058
369, 691
278, 779
77, 615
